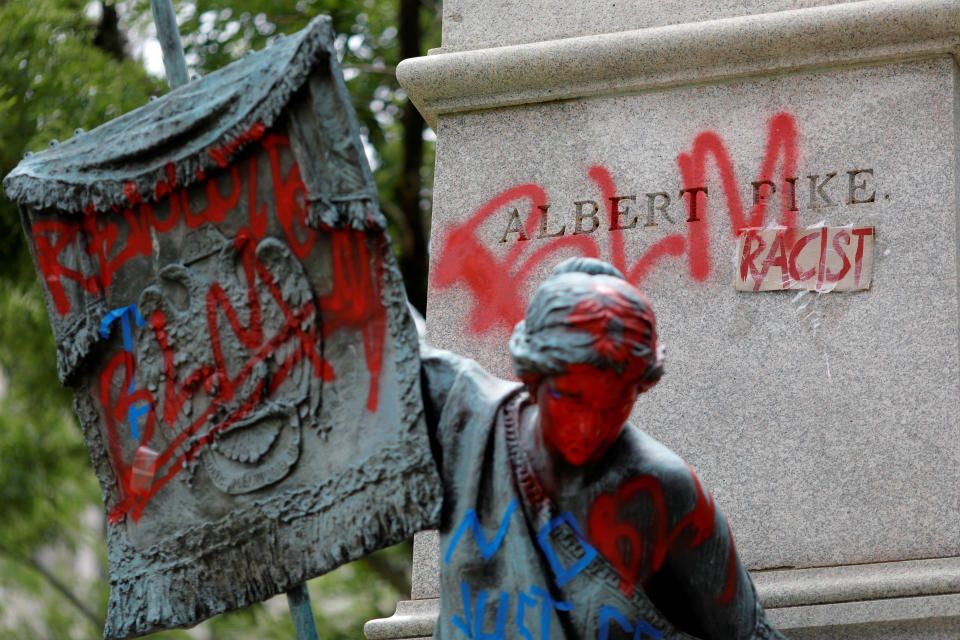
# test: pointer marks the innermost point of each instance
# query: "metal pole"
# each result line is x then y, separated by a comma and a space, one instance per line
173, 61
304, 624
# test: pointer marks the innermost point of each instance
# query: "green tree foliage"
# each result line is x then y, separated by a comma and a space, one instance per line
53, 80
61, 70
373, 36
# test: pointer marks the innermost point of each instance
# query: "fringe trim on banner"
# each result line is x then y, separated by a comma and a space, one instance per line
76, 343
360, 213
267, 550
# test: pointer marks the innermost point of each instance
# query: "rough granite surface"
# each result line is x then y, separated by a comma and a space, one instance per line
930, 618
426, 565
412, 619
825, 424
468, 24
799, 587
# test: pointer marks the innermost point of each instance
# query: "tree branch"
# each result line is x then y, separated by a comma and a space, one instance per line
53, 581
383, 69
406, 193
109, 38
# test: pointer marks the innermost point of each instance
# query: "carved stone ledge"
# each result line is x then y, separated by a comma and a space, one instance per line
904, 600
417, 617
412, 619
926, 618
866, 582
657, 58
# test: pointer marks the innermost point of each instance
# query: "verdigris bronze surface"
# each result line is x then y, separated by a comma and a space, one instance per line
229, 314
559, 520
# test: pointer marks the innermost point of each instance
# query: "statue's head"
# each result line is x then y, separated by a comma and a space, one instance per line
586, 349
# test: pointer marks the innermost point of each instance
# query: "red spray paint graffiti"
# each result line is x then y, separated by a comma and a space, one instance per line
781, 140
465, 259
622, 543
352, 303
97, 236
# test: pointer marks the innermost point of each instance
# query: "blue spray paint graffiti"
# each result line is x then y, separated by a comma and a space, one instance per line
524, 601
470, 521
124, 315
473, 625
639, 630
564, 575
546, 606
475, 603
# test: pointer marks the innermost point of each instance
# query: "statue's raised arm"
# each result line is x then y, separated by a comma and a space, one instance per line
559, 519
230, 317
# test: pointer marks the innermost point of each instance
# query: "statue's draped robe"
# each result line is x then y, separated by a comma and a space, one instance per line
515, 563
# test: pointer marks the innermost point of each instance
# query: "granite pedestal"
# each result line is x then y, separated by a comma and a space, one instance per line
648, 134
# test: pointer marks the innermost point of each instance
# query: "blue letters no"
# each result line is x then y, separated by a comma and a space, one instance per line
564, 575
470, 521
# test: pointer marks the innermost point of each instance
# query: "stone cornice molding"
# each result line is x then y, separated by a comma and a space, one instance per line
849, 583
866, 32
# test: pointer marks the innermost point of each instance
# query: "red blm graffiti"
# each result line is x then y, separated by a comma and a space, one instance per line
88, 253
353, 302
781, 142
464, 258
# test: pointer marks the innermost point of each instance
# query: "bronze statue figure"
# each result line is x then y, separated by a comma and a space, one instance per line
230, 316
559, 519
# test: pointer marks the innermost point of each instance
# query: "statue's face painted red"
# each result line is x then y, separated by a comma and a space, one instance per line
583, 410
